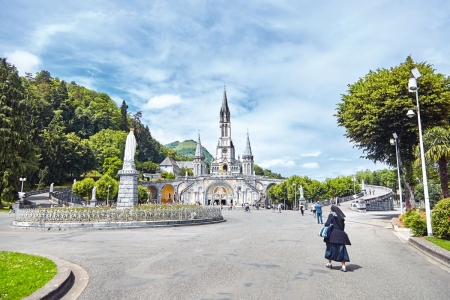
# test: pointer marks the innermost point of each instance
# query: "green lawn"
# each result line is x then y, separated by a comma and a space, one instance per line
440, 242
22, 274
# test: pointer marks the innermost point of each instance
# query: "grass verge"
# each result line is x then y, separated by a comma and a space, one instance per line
440, 242
22, 274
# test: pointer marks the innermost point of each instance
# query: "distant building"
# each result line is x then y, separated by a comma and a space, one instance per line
230, 180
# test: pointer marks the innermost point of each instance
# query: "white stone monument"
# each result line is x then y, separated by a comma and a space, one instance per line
128, 185
93, 201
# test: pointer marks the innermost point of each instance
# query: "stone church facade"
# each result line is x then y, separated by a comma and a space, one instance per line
230, 180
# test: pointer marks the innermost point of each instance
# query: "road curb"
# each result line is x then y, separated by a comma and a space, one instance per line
440, 254
59, 285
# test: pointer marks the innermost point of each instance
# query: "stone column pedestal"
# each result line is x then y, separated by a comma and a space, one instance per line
128, 189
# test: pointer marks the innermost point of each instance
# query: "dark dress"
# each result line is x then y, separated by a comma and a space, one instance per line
336, 249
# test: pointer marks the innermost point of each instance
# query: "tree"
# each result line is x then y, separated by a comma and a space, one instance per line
107, 143
19, 157
150, 167
183, 171
437, 147
111, 166
258, 170
142, 194
375, 106
84, 188
102, 187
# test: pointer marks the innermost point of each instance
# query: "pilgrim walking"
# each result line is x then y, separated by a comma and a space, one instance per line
336, 242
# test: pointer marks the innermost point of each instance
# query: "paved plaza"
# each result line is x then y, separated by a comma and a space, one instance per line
257, 255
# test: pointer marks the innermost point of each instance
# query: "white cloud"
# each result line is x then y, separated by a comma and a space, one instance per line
310, 166
314, 154
277, 162
162, 101
24, 61
340, 159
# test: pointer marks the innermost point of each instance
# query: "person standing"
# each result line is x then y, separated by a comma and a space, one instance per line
313, 209
336, 243
10, 208
302, 209
319, 213
279, 208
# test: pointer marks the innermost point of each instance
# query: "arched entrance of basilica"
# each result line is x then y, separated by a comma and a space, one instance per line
220, 194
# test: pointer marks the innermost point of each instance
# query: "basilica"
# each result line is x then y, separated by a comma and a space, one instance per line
230, 181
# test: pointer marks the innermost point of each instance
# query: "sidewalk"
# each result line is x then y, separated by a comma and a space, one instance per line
439, 254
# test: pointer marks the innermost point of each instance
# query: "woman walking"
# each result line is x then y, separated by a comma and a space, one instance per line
337, 240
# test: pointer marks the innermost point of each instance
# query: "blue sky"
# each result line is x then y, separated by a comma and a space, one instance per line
284, 63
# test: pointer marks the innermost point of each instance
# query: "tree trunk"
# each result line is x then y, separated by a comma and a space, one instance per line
442, 162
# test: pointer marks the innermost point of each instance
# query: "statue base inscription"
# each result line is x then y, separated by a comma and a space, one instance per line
128, 187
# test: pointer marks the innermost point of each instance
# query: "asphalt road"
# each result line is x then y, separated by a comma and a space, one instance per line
257, 255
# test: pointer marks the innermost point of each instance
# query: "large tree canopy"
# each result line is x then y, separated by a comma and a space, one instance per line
19, 157
375, 106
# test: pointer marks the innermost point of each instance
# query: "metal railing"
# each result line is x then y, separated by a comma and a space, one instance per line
107, 214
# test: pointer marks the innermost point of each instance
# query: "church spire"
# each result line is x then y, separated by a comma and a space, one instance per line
224, 110
248, 149
199, 150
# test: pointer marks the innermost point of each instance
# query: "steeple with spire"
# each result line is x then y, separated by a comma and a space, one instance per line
247, 159
199, 159
224, 110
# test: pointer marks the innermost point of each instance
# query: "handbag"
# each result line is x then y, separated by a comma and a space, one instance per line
326, 231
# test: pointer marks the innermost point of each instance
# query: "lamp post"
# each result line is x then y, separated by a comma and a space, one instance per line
394, 142
412, 86
295, 194
107, 197
22, 180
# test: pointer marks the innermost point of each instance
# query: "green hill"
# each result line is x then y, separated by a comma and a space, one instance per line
187, 148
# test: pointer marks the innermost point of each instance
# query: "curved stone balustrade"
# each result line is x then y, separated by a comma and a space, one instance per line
83, 216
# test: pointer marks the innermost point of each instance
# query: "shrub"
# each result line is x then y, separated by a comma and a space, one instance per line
440, 218
415, 220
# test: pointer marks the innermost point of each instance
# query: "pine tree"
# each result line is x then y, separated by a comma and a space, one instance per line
18, 156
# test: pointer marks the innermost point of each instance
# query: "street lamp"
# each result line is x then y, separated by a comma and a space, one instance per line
295, 194
107, 197
22, 180
412, 86
394, 142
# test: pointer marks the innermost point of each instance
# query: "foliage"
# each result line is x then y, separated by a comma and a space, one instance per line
102, 187
84, 188
142, 194
375, 106
436, 142
183, 171
106, 144
434, 192
22, 274
415, 220
42, 175
440, 219
19, 157
289, 189
167, 175
150, 167
111, 166
440, 242
187, 149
